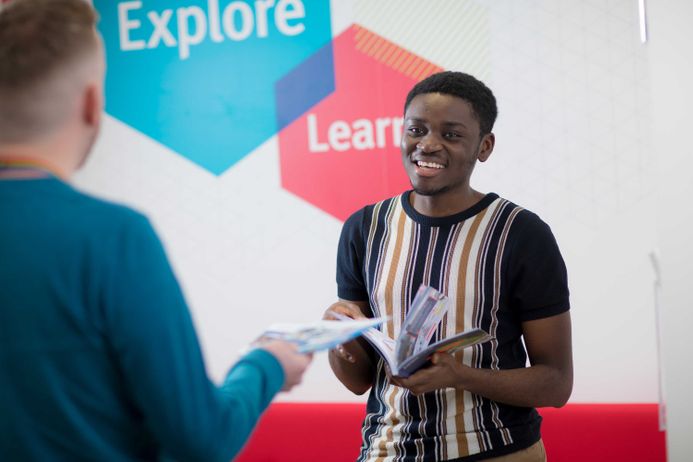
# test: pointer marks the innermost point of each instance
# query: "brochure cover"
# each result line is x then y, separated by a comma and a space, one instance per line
320, 335
412, 348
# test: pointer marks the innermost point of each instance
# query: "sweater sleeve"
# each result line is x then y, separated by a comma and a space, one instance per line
154, 342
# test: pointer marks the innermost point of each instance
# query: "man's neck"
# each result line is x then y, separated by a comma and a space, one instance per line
446, 203
35, 157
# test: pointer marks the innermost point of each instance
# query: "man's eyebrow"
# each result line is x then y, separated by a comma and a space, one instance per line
447, 123
453, 123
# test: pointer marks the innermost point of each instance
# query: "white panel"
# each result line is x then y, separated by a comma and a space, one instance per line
669, 49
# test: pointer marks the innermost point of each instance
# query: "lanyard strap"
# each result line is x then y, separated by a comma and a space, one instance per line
38, 166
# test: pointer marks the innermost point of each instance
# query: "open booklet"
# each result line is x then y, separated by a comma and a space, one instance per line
412, 348
321, 335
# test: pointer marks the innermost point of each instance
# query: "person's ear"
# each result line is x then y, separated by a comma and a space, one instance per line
92, 106
486, 147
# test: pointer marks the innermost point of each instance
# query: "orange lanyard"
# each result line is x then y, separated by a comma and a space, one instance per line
38, 166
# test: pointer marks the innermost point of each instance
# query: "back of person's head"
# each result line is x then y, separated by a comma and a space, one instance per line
464, 86
49, 52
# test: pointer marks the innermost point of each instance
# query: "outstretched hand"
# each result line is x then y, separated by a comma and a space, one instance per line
293, 363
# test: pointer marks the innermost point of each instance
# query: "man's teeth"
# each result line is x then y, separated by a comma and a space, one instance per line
421, 163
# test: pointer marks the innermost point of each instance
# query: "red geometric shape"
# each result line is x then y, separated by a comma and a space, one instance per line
343, 153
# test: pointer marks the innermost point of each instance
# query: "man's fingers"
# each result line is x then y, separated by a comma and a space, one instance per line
334, 312
345, 355
347, 309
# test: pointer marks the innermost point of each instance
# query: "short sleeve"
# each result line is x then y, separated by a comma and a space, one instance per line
350, 255
537, 273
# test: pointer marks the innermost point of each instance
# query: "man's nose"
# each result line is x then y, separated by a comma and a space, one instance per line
429, 143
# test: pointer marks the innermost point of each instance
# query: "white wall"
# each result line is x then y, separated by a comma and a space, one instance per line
670, 51
572, 80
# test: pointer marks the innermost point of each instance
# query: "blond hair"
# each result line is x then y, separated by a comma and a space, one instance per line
42, 45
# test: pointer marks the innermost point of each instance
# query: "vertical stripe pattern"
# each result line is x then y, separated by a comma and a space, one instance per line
464, 260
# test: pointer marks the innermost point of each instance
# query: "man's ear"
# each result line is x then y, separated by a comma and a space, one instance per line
92, 105
486, 147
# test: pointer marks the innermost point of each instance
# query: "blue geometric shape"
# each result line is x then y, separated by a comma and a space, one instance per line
306, 85
212, 102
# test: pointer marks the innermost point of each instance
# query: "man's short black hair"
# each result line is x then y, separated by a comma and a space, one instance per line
463, 86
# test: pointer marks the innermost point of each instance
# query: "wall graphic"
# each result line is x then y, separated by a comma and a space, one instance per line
198, 76
248, 130
340, 156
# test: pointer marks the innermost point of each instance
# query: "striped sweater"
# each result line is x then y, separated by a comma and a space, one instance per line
499, 265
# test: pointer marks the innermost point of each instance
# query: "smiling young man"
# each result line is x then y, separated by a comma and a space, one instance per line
500, 266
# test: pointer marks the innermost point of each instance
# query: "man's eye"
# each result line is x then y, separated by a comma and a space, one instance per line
415, 130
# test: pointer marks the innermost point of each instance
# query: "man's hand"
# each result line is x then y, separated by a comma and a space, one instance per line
293, 362
350, 310
546, 382
351, 362
444, 372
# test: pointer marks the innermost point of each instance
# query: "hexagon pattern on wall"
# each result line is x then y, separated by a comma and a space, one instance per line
198, 76
343, 153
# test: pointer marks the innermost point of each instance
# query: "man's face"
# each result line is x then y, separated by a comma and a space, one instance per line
441, 143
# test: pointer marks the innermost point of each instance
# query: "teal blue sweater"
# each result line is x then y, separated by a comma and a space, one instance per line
99, 359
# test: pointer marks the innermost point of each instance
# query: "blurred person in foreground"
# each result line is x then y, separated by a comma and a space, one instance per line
502, 271
99, 359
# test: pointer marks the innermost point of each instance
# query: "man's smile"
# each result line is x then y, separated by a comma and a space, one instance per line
422, 163
427, 168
